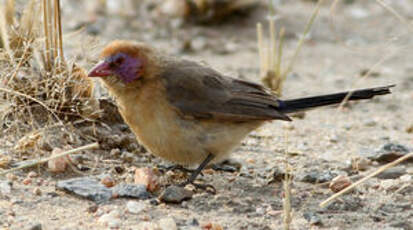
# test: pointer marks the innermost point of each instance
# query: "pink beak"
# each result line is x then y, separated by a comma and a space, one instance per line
102, 69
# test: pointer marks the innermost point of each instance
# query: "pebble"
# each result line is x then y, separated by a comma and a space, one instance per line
198, 43
175, 194
148, 178
115, 152
11, 177
360, 163
135, 207
5, 187
388, 184
27, 181
32, 174
388, 153
392, 173
317, 177
339, 183
312, 218
37, 191
167, 223
58, 165
36, 227
212, 226
107, 181
111, 219
406, 178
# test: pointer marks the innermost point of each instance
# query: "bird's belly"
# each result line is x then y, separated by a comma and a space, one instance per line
186, 142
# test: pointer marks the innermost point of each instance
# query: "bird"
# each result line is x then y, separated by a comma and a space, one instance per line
187, 112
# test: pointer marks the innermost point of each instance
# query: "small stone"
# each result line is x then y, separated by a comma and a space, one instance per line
127, 157
370, 123
5, 187
198, 44
58, 165
409, 129
92, 208
167, 223
11, 177
148, 178
135, 207
389, 184
212, 226
147, 226
37, 191
278, 175
312, 218
339, 183
36, 227
111, 219
175, 194
27, 181
115, 152
317, 177
392, 173
107, 181
360, 163
406, 178
389, 152
32, 174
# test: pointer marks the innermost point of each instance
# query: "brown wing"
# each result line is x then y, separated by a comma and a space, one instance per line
201, 92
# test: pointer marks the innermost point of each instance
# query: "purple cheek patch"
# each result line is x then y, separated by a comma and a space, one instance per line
129, 70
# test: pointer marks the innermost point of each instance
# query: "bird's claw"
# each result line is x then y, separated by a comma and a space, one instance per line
206, 187
177, 168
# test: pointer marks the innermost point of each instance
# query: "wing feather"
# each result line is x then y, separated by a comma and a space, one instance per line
201, 92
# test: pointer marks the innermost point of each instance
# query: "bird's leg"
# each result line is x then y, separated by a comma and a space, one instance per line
191, 179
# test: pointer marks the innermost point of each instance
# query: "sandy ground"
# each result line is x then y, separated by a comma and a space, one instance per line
353, 40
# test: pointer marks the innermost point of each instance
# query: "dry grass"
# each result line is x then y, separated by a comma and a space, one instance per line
39, 89
272, 72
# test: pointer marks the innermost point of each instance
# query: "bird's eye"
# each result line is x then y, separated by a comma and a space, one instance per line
117, 61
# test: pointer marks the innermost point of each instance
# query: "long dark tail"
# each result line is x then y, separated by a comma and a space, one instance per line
295, 105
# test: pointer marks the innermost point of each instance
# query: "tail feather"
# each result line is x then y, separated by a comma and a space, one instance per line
296, 105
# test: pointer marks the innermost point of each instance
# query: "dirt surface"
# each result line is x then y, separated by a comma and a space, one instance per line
342, 45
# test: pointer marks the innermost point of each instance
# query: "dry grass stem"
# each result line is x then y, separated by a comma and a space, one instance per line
378, 171
367, 74
44, 160
271, 72
287, 210
394, 13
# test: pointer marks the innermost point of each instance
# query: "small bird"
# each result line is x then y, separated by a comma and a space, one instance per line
188, 113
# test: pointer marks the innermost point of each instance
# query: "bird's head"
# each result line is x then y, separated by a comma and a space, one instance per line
123, 63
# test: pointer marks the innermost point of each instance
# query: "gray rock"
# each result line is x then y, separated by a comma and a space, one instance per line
388, 152
86, 187
312, 218
90, 188
137, 191
175, 194
317, 177
392, 173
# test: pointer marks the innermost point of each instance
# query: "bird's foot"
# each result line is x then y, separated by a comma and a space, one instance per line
176, 168
227, 166
205, 187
